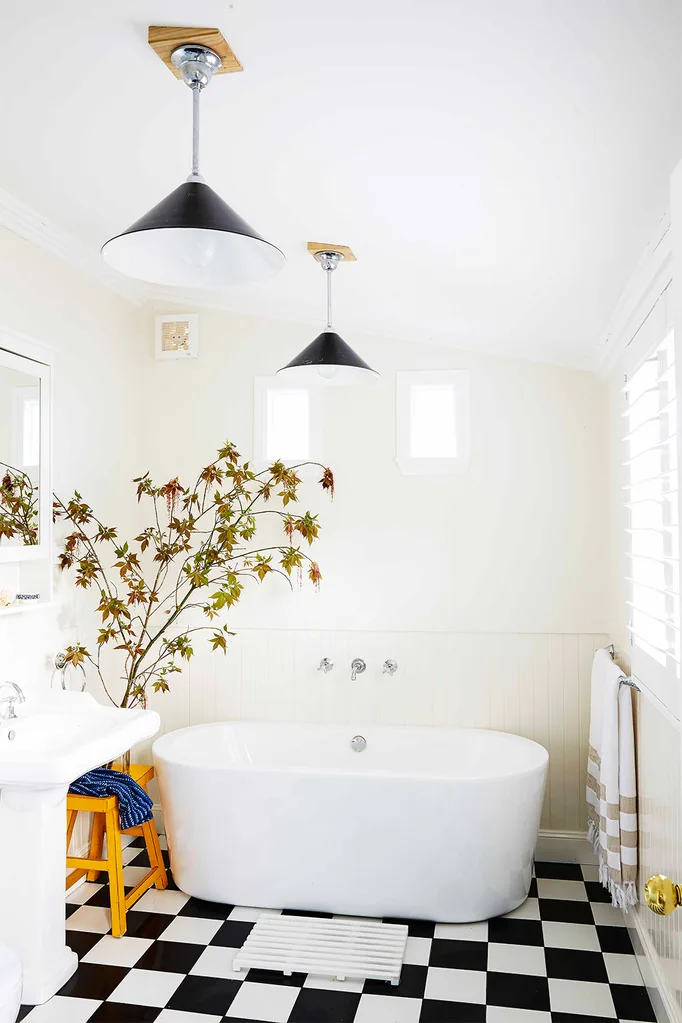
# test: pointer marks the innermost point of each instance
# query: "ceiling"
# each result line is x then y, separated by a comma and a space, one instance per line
497, 167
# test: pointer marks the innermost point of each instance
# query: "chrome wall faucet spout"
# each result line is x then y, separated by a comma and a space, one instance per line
7, 708
357, 667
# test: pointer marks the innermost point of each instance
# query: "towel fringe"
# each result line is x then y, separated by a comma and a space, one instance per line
622, 895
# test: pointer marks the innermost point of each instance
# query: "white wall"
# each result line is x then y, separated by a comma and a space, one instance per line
99, 340
517, 544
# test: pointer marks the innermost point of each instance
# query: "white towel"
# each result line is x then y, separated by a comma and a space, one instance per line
611, 782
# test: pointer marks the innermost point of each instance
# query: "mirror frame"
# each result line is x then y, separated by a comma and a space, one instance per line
20, 353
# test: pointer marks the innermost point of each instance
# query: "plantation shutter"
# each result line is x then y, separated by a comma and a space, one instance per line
652, 540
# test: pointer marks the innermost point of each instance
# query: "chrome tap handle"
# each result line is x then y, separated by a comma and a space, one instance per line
17, 696
389, 667
325, 665
357, 667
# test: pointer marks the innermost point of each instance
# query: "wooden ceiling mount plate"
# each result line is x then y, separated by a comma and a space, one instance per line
163, 39
346, 252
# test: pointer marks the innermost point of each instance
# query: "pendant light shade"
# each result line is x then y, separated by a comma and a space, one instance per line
328, 359
192, 238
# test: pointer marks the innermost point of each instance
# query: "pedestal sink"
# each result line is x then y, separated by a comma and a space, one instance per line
51, 743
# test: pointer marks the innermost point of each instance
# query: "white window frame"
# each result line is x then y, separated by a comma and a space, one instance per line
459, 380
261, 386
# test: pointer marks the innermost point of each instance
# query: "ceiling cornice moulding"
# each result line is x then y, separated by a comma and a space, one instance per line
22, 220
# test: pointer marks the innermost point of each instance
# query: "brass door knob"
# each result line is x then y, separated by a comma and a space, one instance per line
662, 895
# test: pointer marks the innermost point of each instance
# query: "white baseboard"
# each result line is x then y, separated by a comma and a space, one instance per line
564, 847
662, 999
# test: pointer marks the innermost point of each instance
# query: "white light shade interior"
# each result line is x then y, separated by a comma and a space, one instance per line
329, 376
192, 257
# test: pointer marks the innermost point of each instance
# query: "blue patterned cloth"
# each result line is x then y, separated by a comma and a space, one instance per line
134, 805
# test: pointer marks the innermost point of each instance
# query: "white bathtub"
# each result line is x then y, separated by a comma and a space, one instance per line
438, 824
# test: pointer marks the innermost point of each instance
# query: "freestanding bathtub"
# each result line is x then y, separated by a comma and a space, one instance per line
437, 824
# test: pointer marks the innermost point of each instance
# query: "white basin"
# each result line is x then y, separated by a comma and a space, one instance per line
51, 743
55, 741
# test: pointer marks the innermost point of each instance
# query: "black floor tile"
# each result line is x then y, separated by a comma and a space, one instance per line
566, 911
571, 1017
517, 991
596, 892
276, 977
459, 955
559, 871
317, 1006
435, 1011
412, 984
23, 1012
119, 1012
515, 932
416, 928
210, 995
632, 1002
170, 956
232, 934
575, 964
93, 981
146, 925
615, 939
100, 898
206, 910
82, 941
533, 889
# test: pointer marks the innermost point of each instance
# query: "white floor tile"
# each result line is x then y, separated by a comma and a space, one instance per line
90, 918
384, 1009
192, 929
622, 969
502, 1014
251, 913
147, 987
265, 1003
564, 935
64, 1010
77, 896
417, 951
551, 888
216, 961
178, 1016
527, 959
166, 901
133, 875
528, 910
608, 916
163, 842
352, 984
581, 997
590, 871
463, 932
123, 951
456, 985
129, 853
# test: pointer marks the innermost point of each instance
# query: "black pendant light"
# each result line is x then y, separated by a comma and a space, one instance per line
192, 238
328, 359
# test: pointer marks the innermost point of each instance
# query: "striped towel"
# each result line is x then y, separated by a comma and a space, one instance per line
611, 783
134, 805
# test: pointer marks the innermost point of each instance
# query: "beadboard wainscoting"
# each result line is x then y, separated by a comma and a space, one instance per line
537, 685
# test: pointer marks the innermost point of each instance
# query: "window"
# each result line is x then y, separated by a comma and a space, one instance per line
651, 493
433, 421
282, 423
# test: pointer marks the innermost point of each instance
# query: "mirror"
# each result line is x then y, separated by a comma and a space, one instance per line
21, 451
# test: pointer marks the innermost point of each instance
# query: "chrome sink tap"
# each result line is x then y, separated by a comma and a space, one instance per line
7, 703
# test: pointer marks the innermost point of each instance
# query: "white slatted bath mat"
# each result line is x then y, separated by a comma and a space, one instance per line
332, 948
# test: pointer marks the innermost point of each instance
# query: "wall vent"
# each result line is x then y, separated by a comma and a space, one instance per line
177, 336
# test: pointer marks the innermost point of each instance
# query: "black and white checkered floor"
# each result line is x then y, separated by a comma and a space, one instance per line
564, 956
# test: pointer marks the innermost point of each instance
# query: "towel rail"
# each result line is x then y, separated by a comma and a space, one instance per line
625, 680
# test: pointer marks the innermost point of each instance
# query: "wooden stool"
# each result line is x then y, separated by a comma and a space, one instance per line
106, 821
